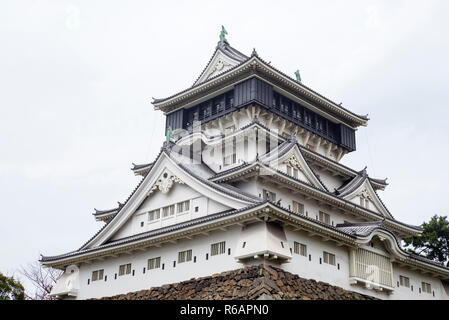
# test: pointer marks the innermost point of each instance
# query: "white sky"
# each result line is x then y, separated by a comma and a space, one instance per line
77, 77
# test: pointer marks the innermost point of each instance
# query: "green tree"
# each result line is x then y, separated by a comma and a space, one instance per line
434, 241
10, 289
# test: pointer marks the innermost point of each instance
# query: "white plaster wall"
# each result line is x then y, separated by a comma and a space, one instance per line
302, 266
178, 193
330, 274
157, 277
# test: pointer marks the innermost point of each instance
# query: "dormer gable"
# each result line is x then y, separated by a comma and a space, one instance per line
289, 159
360, 191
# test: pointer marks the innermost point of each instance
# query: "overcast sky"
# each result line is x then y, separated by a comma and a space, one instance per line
77, 78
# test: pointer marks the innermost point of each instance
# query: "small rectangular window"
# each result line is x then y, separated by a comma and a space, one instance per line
300, 249
268, 195
426, 287
97, 275
165, 212
154, 215
124, 269
324, 217
154, 263
295, 173
404, 281
329, 258
184, 256
298, 207
218, 248
229, 160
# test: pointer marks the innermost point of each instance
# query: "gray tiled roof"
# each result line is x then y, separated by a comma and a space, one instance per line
352, 184
361, 229
149, 234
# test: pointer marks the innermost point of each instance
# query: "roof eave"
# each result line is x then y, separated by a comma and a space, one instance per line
255, 61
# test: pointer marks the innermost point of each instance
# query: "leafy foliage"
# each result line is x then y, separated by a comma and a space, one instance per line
434, 241
10, 289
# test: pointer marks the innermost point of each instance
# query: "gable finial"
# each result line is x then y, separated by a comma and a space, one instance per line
254, 53
298, 76
223, 34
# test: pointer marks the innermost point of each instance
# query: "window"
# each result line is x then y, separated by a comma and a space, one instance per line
124, 269
268, 195
97, 275
295, 173
404, 281
292, 172
184, 256
300, 249
168, 211
329, 258
165, 212
229, 160
364, 202
183, 206
218, 248
229, 100
154, 215
154, 263
426, 287
324, 217
365, 261
298, 207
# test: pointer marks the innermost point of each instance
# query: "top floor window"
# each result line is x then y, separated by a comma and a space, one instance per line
229, 99
307, 118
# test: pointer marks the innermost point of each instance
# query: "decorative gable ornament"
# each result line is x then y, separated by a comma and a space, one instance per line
165, 182
293, 161
364, 194
218, 68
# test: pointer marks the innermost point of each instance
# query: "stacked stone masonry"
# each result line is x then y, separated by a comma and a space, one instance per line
249, 283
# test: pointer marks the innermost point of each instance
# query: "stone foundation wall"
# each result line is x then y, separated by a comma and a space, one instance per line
250, 283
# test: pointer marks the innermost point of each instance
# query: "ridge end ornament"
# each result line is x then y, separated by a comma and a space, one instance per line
298, 76
223, 34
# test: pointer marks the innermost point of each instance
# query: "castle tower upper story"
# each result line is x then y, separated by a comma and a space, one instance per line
235, 90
